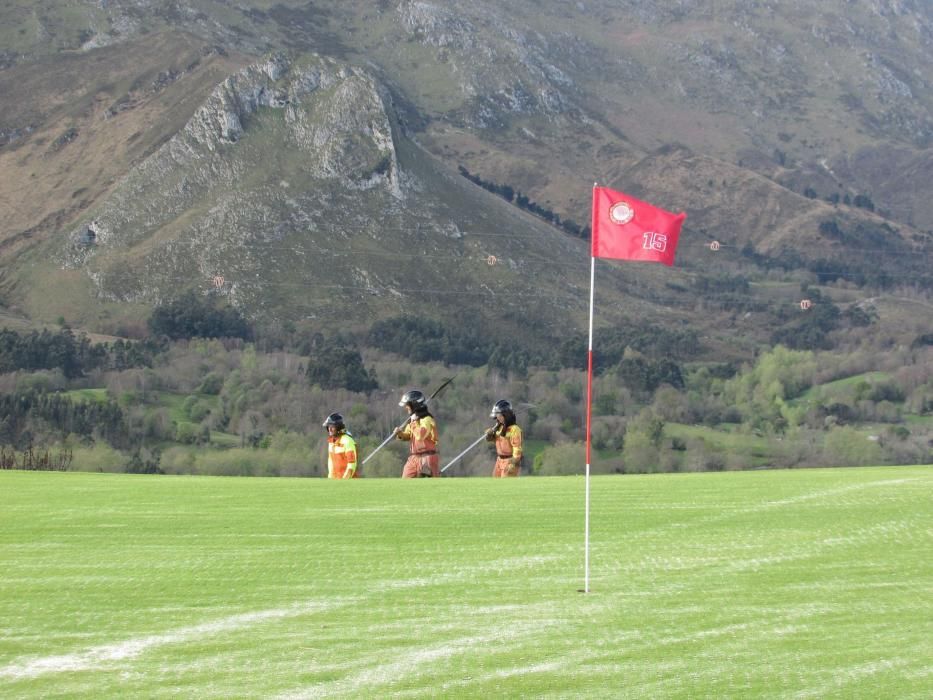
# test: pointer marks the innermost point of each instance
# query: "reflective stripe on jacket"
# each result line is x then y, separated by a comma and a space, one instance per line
422, 434
509, 444
341, 456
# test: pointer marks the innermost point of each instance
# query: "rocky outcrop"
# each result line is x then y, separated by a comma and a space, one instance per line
254, 163
501, 71
324, 105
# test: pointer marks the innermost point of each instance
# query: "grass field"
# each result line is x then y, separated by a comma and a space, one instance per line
801, 584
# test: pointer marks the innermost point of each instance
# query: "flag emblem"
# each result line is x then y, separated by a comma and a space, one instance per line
621, 213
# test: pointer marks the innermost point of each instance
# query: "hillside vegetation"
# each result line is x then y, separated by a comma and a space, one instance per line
211, 406
368, 196
325, 153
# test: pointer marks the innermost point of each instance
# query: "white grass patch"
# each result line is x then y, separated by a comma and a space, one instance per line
415, 663
758, 563
818, 497
354, 684
899, 531
843, 677
750, 632
98, 657
509, 564
500, 674
831, 495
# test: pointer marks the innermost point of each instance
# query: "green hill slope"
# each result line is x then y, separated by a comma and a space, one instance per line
150, 149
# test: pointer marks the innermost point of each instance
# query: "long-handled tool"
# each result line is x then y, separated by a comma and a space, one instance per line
392, 434
472, 445
482, 437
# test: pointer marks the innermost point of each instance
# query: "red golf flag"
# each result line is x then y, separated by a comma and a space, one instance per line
625, 228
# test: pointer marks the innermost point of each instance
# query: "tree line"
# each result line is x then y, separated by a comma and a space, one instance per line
24, 415
649, 378
194, 316
426, 340
73, 355
221, 407
31, 460
513, 196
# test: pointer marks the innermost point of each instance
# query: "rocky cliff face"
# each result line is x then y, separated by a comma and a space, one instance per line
303, 177
292, 192
498, 69
792, 90
253, 164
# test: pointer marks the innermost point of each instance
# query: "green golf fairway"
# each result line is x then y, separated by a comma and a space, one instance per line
805, 584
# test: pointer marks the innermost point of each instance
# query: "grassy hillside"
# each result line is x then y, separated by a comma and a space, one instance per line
820, 95
73, 124
765, 584
770, 128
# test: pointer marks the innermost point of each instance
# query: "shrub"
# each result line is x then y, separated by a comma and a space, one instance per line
41, 381
846, 447
640, 454
187, 433
211, 384
193, 316
99, 457
339, 366
560, 460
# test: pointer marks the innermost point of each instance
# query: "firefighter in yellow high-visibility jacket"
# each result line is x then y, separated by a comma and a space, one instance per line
421, 433
508, 438
341, 449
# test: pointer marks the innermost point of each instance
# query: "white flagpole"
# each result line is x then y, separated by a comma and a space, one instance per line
589, 404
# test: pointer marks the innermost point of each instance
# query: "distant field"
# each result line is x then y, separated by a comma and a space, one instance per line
841, 386
803, 584
722, 438
93, 395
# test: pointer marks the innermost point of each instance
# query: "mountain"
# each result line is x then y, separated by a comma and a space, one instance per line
302, 159
293, 185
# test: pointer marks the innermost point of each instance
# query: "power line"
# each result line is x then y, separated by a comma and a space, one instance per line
493, 260
726, 303
710, 245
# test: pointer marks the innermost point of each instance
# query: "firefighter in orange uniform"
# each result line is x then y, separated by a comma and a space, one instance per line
508, 438
421, 433
341, 449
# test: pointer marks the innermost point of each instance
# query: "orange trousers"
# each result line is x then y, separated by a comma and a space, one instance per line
419, 466
502, 468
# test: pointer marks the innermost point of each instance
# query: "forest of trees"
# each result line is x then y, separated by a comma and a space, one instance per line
425, 340
193, 316
22, 410
222, 406
510, 194
208, 393
73, 355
